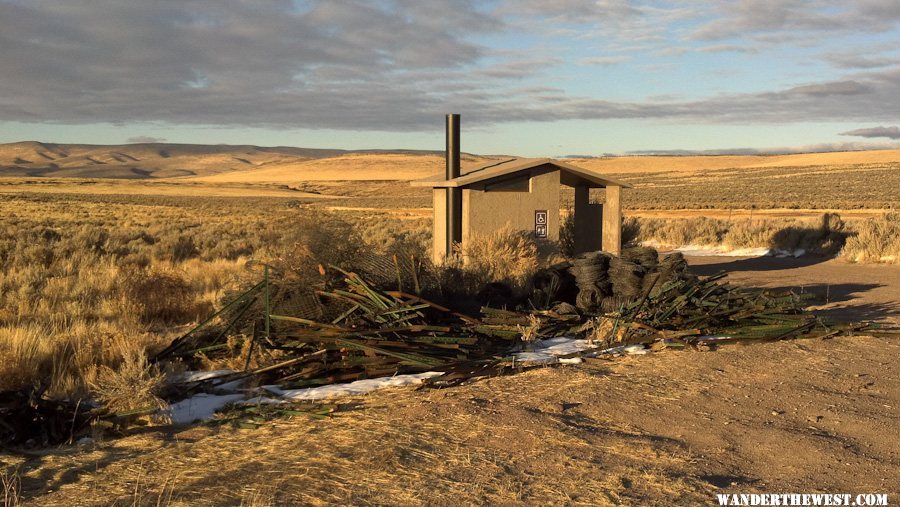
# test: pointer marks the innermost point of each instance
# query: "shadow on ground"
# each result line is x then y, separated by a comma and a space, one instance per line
754, 264
842, 301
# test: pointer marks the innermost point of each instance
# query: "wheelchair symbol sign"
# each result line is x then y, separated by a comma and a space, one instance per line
540, 223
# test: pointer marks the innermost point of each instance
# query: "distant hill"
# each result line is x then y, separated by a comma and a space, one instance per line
216, 163
138, 161
289, 165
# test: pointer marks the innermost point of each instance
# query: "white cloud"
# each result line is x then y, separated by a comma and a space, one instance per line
888, 132
604, 60
394, 64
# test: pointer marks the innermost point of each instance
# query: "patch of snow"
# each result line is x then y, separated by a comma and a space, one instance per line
196, 376
694, 250
200, 407
350, 389
204, 405
721, 251
548, 351
535, 358
789, 253
636, 350
713, 338
234, 385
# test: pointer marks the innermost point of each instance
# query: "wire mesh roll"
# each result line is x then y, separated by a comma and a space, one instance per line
554, 284
590, 273
589, 298
644, 256
626, 278
672, 267
612, 304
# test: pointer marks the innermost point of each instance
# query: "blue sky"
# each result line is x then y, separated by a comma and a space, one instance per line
530, 77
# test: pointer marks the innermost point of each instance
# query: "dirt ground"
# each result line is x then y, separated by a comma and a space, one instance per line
845, 291
668, 428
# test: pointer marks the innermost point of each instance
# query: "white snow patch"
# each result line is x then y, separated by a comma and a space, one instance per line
621, 350
350, 389
200, 407
694, 250
234, 385
548, 351
721, 251
196, 376
203, 406
713, 338
789, 253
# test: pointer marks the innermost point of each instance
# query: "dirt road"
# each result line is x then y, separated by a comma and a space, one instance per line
855, 292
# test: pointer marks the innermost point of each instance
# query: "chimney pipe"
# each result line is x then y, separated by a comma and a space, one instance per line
452, 146
454, 195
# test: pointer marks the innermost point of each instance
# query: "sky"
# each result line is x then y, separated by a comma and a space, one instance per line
529, 77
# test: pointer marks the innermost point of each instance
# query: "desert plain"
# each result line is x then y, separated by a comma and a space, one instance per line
84, 227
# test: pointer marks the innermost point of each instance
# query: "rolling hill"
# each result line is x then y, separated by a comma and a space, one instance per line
141, 161
244, 164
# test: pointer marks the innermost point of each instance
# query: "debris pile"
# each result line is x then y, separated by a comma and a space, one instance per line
374, 333
367, 331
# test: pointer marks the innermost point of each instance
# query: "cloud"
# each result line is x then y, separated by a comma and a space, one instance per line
392, 65
604, 60
793, 18
888, 132
857, 61
784, 150
145, 139
335, 63
726, 48
865, 98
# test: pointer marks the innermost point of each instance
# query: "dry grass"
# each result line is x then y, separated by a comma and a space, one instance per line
504, 256
824, 235
10, 487
88, 281
356, 166
692, 164
831, 187
875, 240
91, 276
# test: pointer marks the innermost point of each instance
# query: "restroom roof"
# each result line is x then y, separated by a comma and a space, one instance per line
496, 169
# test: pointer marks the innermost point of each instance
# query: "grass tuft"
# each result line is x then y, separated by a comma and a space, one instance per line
133, 385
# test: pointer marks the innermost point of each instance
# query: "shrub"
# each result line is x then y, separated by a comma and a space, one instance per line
133, 385
314, 240
567, 235
875, 240
184, 249
159, 296
506, 255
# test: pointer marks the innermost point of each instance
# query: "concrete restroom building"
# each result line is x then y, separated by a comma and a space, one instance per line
523, 193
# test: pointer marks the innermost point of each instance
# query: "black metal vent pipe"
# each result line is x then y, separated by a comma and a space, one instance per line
454, 195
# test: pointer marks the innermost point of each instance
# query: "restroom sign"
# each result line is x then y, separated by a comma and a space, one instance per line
540, 223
